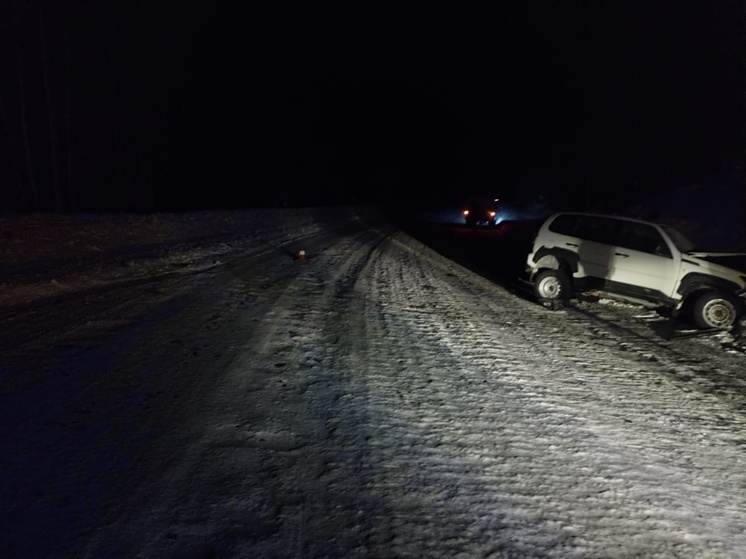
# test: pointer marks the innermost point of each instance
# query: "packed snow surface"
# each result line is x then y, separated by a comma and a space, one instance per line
186, 386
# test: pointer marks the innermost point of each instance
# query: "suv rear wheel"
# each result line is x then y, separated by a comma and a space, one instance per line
715, 310
552, 285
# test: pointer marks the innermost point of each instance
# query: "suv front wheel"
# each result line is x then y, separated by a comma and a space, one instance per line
715, 310
552, 285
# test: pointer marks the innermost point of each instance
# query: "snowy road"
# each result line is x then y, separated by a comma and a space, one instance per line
378, 400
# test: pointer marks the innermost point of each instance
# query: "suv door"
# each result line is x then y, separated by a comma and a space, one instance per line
643, 264
595, 248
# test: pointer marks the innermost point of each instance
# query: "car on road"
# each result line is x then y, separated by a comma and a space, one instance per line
636, 261
481, 211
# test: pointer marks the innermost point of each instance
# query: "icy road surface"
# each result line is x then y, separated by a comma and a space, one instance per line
377, 400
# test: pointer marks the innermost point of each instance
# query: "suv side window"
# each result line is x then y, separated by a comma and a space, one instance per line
644, 238
597, 229
565, 224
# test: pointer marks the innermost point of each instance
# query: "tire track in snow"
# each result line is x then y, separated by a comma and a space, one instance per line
220, 487
712, 363
321, 500
612, 467
401, 406
280, 468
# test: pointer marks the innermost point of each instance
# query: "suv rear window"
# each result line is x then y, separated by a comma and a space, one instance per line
589, 227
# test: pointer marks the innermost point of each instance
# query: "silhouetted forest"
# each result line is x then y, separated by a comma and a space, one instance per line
166, 105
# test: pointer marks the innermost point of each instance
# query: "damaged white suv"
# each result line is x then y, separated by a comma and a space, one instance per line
635, 261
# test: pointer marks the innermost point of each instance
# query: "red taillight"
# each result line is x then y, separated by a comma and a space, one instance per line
466, 212
493, 214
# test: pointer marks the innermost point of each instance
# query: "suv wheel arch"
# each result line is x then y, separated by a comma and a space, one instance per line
556, 259
694, 283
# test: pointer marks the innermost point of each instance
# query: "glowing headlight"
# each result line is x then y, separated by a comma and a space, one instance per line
493, 214
466, 212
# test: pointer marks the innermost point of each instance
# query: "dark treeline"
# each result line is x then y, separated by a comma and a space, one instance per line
142, 106
90, 106
133, 106
175, 105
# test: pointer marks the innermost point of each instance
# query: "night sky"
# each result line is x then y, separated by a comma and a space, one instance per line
177, 105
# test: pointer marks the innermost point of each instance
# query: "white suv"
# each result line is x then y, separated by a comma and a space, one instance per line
636, 261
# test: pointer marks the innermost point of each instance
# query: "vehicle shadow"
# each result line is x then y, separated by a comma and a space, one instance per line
495, 253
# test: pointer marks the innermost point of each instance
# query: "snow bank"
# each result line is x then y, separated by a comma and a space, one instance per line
44, 255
